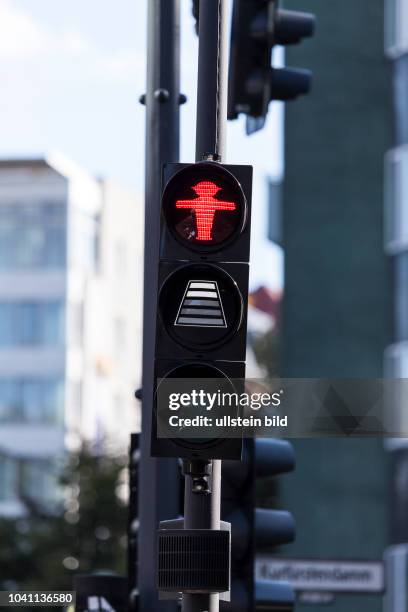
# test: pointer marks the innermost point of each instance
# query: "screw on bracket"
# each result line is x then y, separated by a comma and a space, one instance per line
214, 157
161, 95
200, 472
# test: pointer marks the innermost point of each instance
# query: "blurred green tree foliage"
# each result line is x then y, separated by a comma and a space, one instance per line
84, 532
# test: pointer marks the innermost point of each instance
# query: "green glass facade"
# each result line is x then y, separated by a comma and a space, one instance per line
337, 314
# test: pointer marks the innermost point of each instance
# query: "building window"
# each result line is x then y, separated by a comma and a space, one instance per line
32, 235
396, 198
275, 212
120, 259
9, 404
31, 401
75, 402
401, 296
119, 332
8, 475
76, 324
31, 323
85, 237
38, 482
396, 27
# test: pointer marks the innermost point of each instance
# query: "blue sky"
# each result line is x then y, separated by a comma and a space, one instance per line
71, 74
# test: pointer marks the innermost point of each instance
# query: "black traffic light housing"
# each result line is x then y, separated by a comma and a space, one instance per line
257, 26
250, 58
202, 291
292, 26
196, 448
226, 341
179, 181
254, 529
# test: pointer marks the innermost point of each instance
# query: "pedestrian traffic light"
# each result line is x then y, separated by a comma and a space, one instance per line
203, 290
257, 26
254, 529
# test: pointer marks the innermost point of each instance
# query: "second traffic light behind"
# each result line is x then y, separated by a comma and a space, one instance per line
257, 26
256, 529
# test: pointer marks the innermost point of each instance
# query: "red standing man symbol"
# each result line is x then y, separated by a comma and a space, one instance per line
204, 207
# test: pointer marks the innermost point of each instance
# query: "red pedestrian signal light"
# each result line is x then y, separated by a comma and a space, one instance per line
202, 299
204, 206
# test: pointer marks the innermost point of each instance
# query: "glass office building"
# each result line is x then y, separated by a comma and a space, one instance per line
396, 247
70, 310
337, 309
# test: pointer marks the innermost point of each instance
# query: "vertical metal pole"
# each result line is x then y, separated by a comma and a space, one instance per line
212, 84
159, 480
202, 511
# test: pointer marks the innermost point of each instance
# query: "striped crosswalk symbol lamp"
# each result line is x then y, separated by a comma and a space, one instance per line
201, 306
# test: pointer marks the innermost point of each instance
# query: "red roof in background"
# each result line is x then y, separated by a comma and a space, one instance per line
267, 301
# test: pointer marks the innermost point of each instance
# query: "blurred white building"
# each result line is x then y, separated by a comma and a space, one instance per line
71, 251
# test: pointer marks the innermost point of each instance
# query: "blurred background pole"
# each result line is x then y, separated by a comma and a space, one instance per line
202, 511
159, 478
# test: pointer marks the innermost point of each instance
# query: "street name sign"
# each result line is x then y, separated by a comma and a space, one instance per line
327, 575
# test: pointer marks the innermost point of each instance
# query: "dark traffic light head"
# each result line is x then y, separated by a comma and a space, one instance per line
257, 26
292, 26
256, 529
289, 83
